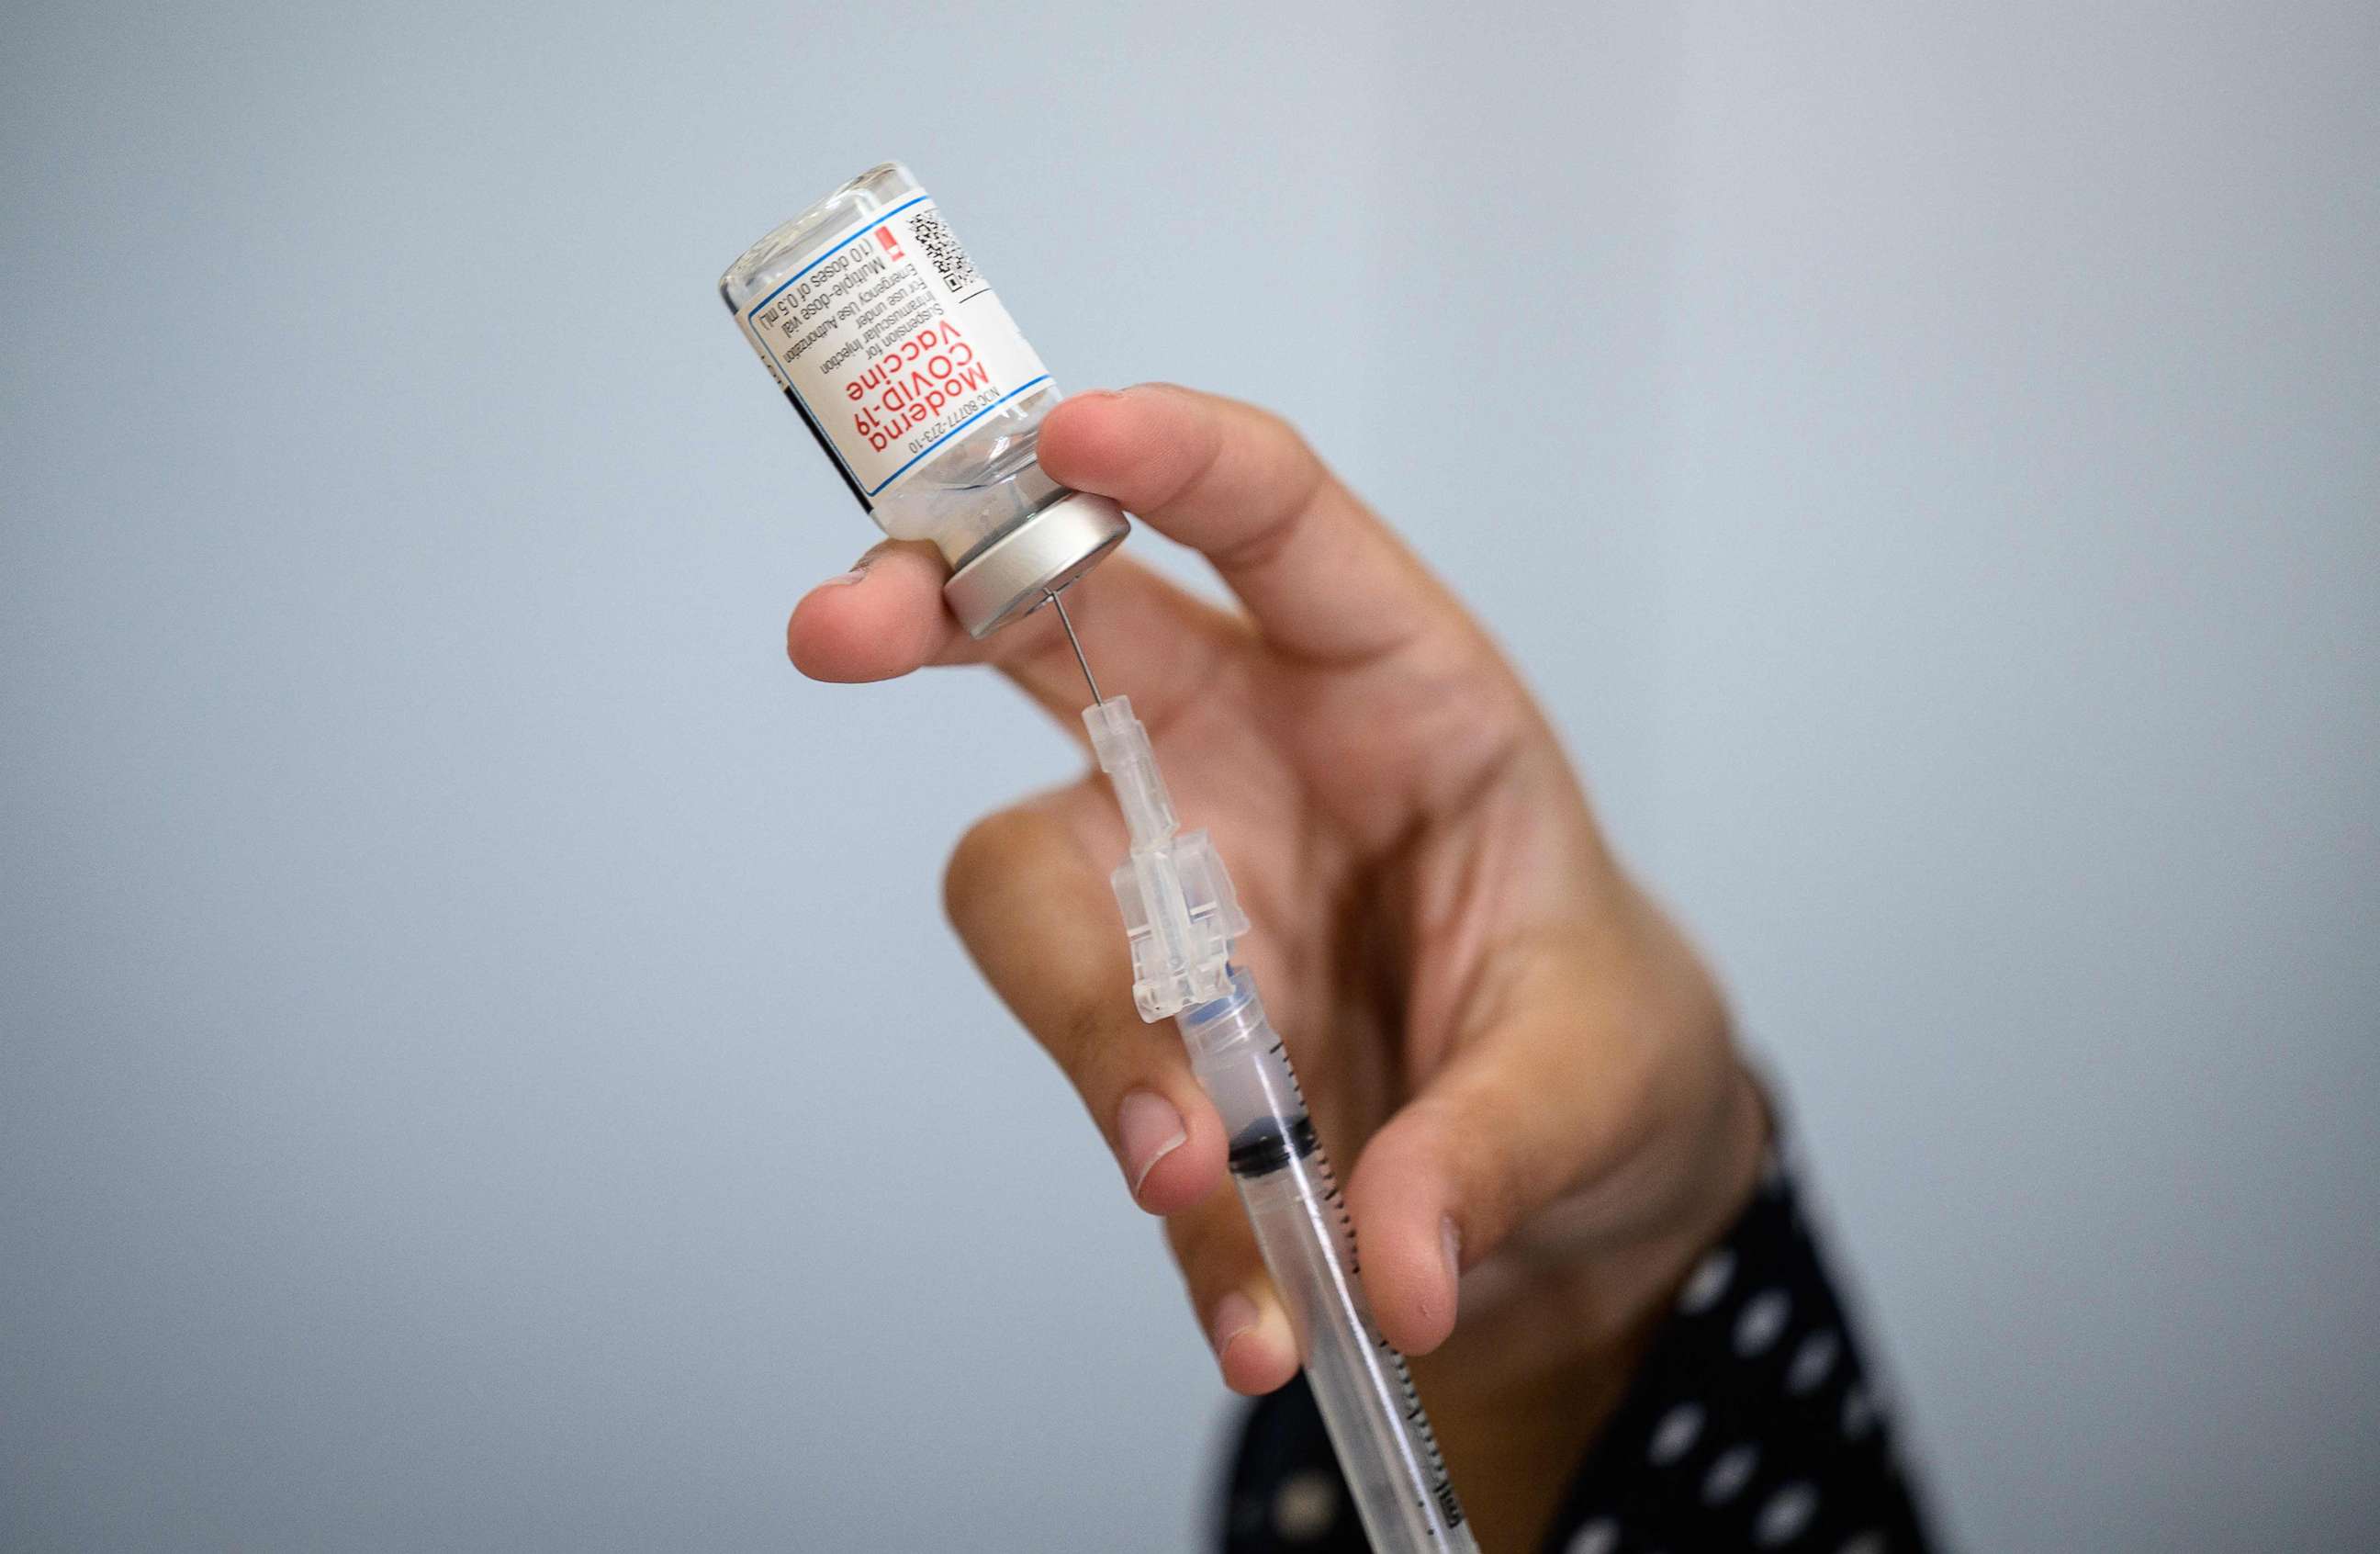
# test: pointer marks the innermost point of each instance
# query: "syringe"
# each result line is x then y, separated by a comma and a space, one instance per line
1182, 917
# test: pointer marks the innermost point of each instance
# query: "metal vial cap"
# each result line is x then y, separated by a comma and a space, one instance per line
1016, 573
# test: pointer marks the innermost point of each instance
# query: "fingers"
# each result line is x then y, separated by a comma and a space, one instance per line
1040, 923
1038, 919
1233, 1296
885, 618
878, 621
1323, 577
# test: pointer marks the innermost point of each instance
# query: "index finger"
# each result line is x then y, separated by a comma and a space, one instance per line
1320, 574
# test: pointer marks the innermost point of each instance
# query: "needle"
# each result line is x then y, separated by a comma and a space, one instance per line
1077, 643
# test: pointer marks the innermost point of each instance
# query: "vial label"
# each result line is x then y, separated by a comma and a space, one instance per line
892, 342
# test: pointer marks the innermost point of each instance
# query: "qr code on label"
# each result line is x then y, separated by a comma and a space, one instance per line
949, 259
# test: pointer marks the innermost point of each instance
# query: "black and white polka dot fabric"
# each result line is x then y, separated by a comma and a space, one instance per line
1751, 1424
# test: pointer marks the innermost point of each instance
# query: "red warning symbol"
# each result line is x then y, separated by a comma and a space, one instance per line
891, 245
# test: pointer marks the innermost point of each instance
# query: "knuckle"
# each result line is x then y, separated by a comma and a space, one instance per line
1077, 1037
985, 857
1500, 1193
1283, 434
1212, 1247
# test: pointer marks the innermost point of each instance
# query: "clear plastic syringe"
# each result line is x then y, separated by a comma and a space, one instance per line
1182, 917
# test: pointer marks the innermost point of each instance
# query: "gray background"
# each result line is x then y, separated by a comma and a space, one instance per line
484, 1066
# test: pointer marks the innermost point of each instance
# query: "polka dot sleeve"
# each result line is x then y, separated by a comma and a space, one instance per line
1752, 1424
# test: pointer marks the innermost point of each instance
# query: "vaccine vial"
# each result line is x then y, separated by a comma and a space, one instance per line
919, 387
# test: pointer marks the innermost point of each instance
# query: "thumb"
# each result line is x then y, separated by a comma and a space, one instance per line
1579, 1080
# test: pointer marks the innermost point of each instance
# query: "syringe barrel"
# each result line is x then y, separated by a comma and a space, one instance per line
1386, 1448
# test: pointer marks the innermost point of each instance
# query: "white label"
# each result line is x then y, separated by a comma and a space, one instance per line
892, 342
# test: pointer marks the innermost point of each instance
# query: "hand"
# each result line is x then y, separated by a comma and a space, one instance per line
1528, 1066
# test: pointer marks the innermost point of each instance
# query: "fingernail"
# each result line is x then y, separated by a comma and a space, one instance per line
1234, 1314
1451, 1239
1148, 1129
847, 578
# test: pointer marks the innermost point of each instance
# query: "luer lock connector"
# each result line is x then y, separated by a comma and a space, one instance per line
1178, 909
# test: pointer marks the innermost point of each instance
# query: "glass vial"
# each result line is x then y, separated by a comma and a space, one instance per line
919, 387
